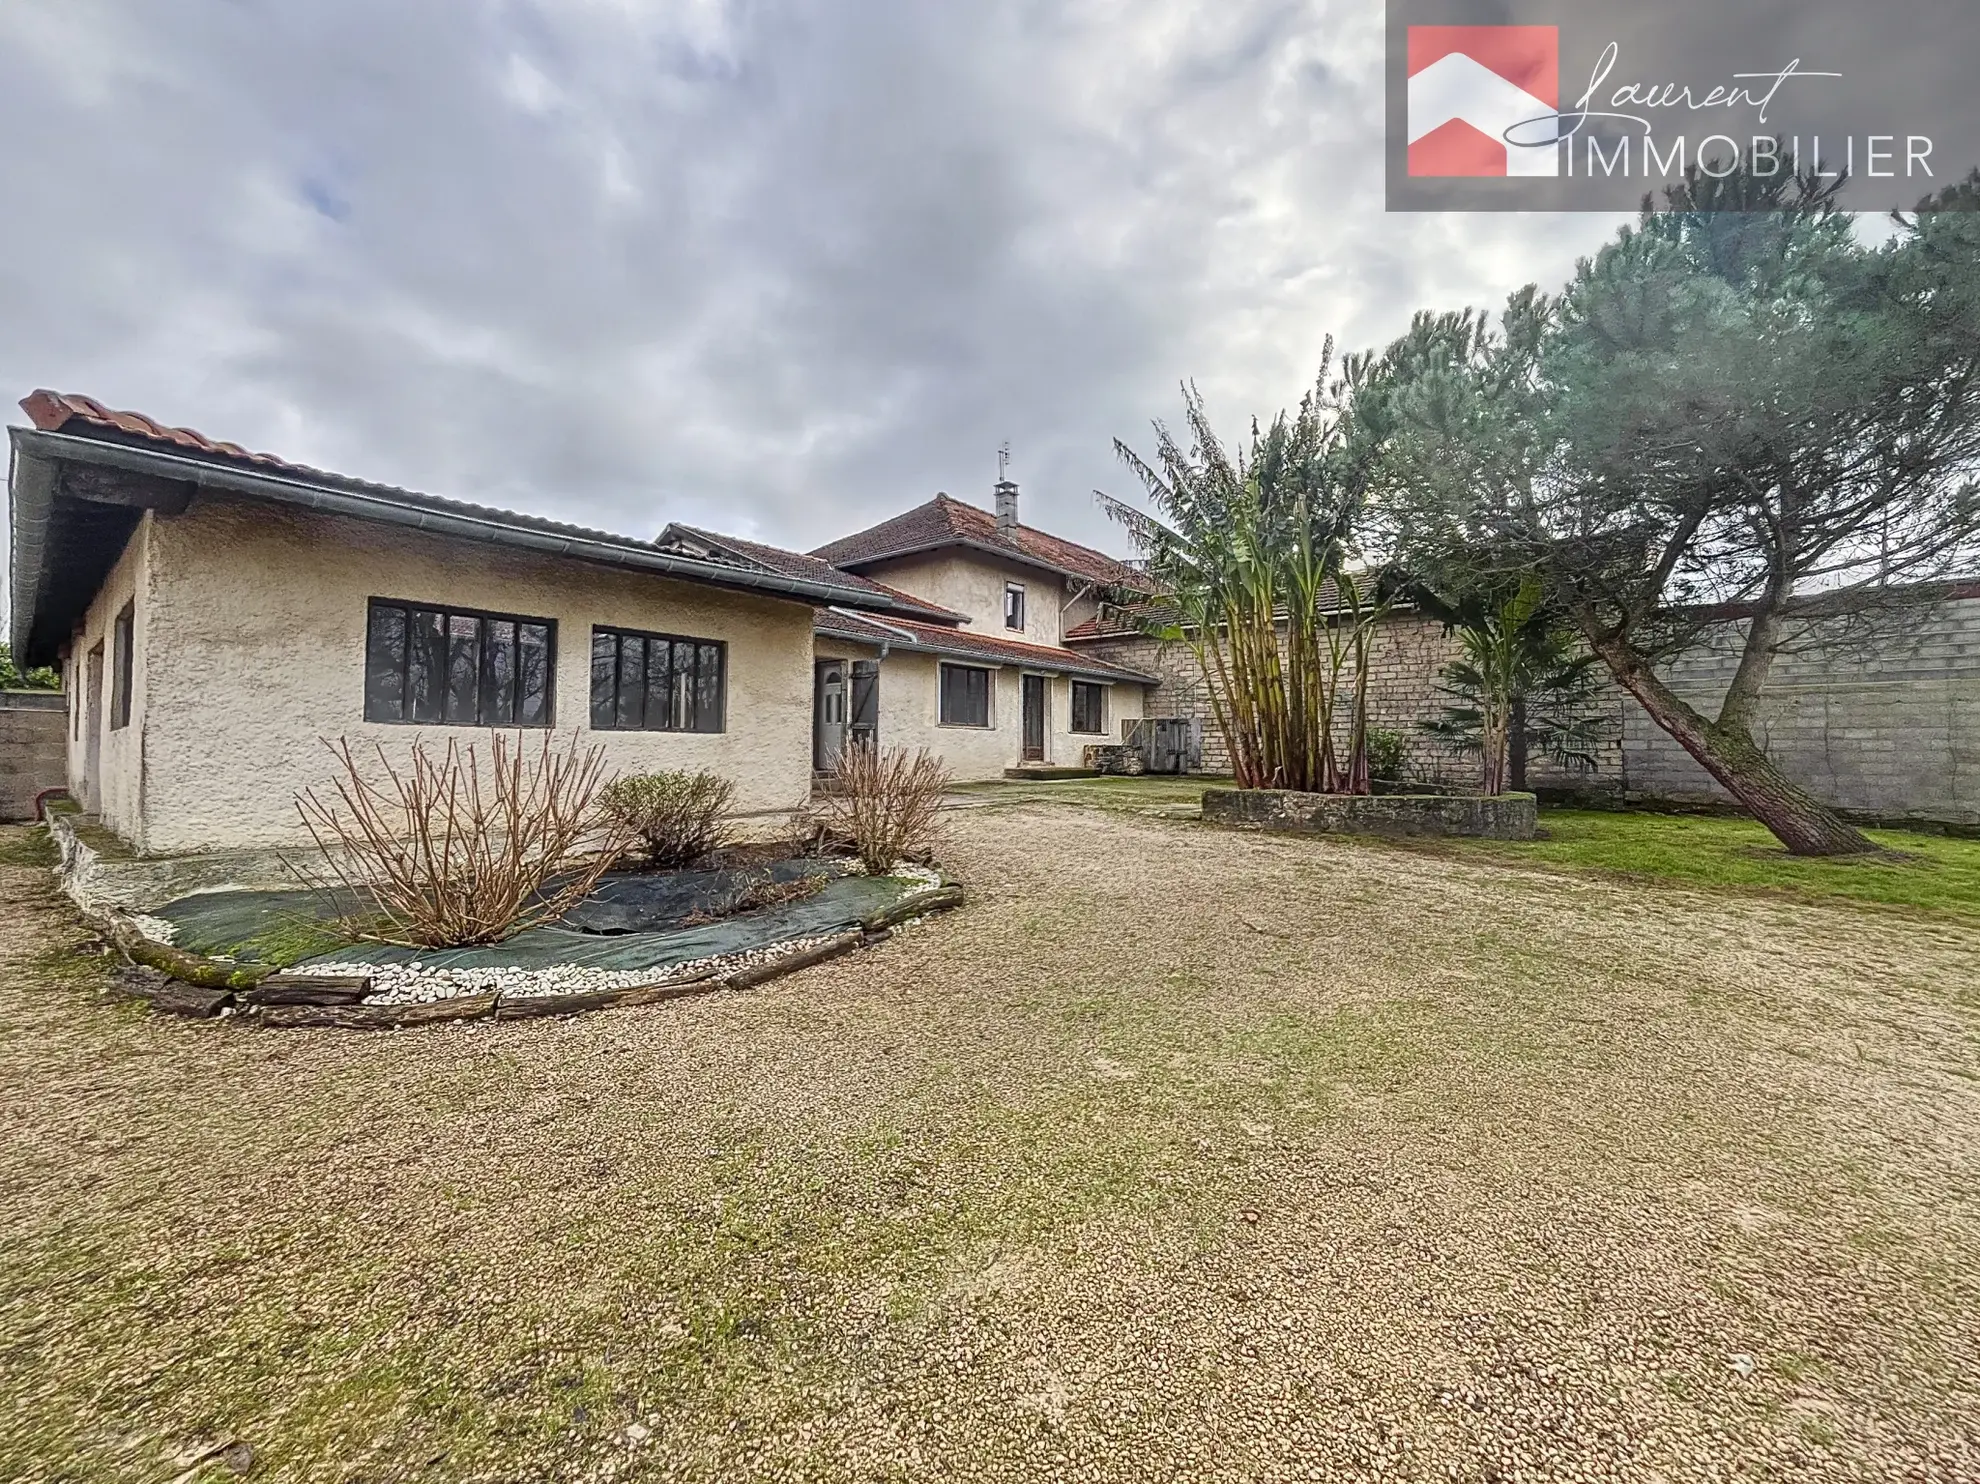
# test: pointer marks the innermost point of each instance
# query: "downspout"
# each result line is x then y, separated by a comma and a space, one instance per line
886, 646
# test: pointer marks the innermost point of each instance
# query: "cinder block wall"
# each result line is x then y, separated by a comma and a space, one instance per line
1886, 726
33, 748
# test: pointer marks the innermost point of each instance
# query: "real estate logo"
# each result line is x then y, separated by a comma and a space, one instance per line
1483, 100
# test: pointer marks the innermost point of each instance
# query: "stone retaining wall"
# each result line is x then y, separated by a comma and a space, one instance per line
1501, 817
33, 748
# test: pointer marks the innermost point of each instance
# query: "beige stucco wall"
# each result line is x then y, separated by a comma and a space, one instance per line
972, 583
251, 648
910, 710
119, 792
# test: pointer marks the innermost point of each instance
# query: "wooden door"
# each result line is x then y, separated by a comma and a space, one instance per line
1034, 718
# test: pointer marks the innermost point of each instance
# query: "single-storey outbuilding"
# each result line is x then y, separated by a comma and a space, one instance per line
217, 614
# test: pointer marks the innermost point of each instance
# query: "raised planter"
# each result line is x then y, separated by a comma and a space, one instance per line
1499, 817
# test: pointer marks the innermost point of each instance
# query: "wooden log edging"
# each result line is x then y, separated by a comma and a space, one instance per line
289, 1000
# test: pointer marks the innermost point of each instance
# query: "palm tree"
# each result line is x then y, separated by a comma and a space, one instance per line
1253, 560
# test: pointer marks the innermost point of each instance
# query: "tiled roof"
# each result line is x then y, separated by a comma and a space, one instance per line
53, 412
906, 634
947, 521
810, 568
751, 565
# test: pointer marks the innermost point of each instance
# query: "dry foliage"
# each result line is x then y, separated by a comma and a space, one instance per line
758, 891
884, 804
677, 815
456, 850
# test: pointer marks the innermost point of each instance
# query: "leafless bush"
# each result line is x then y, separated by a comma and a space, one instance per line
679, 816
757, 891
453, 856
884, 804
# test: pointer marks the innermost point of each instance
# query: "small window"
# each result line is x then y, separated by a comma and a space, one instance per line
456, 667
122, 661
1089, 707
656, 682
965, 696
1014, 605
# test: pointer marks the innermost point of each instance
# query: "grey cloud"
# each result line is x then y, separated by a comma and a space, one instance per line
778, 268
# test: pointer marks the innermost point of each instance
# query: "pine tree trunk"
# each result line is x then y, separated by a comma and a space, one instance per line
1797, 818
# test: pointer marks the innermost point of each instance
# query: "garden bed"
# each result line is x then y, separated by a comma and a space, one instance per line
287, 956
1498, 817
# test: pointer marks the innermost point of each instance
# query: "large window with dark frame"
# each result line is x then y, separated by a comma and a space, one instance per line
457, 667
123, 662
965, 696
1089, 707
657, 682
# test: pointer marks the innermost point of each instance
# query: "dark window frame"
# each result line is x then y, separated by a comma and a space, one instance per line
123, 665
1014, 610
518, 698
1098, 695
694, 695
943, 707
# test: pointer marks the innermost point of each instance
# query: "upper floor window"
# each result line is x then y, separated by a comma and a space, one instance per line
1089, 707
656, 682
122, 663
1014, 605
456, 667
965, 696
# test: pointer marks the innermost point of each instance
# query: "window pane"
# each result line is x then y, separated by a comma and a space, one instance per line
385, 665
659, 681
463, 670
681, 713
534, 708
604, 680
632, 683
427, 665
498, 672
708, 690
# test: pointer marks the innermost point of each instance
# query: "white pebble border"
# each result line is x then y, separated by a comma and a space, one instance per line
156, 929
413, 984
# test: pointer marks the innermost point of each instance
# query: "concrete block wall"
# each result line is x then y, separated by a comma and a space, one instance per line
33, 748
1885, 726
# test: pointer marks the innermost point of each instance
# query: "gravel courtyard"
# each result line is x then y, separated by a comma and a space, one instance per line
1176, 1154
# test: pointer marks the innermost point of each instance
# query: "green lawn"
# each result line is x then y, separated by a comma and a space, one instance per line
1940, 874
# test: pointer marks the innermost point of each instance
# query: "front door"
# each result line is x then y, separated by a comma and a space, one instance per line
1034, 718
828, 715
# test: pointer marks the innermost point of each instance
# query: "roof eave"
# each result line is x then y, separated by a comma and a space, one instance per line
44, 450
893, 639
991, 548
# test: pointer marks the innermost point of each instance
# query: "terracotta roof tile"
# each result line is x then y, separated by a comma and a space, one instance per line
68, 413
966, 645
947, 521
810, 568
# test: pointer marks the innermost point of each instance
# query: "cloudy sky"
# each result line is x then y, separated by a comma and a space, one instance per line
781, 268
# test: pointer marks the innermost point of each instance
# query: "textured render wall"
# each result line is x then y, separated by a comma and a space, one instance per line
120, 785
34, 730
910, 708
972, 582
257, 627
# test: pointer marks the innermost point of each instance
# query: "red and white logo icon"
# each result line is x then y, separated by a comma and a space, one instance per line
1469, 85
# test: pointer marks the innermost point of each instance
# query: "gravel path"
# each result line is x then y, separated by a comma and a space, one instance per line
1175, 1154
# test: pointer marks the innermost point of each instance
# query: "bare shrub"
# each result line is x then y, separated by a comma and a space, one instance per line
678, 816
453, 855
884, 804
